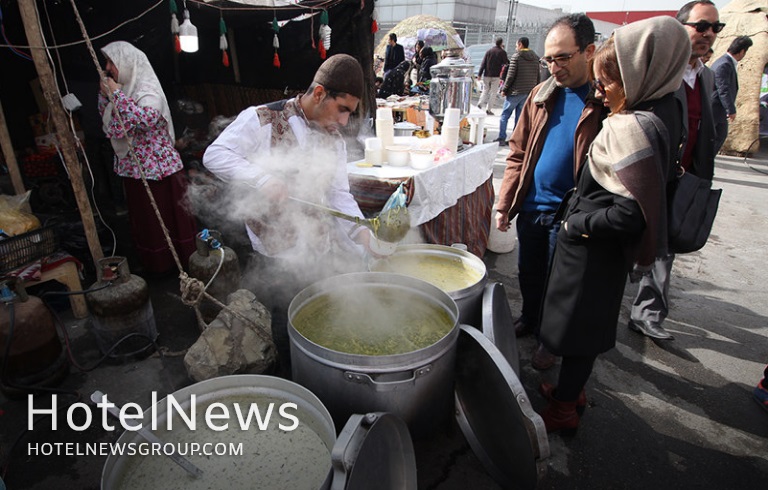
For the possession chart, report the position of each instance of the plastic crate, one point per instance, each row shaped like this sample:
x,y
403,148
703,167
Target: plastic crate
x,y
27,247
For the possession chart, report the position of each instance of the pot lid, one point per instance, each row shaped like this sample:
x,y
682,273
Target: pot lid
x,y
495,414
374,451
498,323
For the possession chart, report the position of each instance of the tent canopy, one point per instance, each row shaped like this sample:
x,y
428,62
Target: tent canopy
x,y
436,33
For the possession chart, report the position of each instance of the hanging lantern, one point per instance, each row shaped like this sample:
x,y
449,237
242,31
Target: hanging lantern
x,y
223,45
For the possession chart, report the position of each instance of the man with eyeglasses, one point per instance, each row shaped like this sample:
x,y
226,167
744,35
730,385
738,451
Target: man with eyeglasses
x,y
549,145
702,22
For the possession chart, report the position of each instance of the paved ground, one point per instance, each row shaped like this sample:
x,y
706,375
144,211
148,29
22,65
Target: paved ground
x,y
661,415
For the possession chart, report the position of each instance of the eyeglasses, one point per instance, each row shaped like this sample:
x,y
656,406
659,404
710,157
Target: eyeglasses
x,y
703,25
561,61
598,86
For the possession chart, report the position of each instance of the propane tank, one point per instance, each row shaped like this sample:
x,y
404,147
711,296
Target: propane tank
x,y
120,309
207,262
28,335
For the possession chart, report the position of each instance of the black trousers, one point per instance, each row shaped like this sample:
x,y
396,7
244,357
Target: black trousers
x,y
574,373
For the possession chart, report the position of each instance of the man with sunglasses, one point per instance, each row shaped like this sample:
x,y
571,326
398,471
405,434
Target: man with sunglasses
x,y
549,145
702,22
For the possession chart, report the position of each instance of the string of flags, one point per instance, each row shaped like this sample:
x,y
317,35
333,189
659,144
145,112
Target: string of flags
x,y
323,37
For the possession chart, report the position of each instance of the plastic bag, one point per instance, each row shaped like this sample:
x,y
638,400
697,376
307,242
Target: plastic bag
x,y
396,200
14,220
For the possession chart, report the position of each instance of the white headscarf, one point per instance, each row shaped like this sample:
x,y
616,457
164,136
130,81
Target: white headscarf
x,y
139,82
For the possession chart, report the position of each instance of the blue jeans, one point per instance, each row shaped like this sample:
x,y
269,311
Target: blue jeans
x,y
511,103
537,236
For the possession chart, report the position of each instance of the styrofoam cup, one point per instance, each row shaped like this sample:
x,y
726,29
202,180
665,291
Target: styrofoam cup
x,y
451,118
373,143
384,113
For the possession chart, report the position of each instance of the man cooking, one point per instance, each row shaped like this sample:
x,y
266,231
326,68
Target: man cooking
x,y
294,148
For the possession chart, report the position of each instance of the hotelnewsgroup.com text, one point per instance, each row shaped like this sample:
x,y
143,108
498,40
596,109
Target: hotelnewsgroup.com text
x,y
134,448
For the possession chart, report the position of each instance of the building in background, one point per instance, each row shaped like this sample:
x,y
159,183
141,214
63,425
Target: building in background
x,y
482,21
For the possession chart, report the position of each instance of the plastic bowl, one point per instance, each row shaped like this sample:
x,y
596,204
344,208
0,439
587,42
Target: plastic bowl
x,y
397,155
422,159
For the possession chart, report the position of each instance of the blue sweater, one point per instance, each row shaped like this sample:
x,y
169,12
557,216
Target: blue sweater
x,y
553,175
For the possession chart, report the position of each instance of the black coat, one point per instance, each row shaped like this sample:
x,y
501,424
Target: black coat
x,y
586,281
393,56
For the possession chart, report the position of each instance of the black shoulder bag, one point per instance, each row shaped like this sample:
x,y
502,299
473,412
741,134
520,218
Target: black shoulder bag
x,y
691,209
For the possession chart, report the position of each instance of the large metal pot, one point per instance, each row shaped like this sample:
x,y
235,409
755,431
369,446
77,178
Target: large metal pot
x,y
417,386
451,86
468,297
156,471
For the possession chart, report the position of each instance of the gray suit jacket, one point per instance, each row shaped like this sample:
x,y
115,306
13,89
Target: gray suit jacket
x,y
704,152
726,87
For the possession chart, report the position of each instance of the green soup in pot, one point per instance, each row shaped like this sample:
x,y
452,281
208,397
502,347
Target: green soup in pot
x,y
374,320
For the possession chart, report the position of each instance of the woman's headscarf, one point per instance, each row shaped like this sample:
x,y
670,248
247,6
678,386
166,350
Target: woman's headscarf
x,y
139,82
652,55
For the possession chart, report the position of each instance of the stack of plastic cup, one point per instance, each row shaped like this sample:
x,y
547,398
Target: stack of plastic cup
x,y
450,129
374,151
385,128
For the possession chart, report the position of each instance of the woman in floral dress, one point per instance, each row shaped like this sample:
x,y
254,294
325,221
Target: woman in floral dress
x,y
145,125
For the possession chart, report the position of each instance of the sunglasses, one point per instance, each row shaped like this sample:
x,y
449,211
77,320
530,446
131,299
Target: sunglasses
x,y
598,86
703,26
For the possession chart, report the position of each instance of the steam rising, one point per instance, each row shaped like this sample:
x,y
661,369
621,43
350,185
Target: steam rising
x,y
318,246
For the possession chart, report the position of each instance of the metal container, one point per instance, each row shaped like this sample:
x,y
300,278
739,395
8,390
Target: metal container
x,y
405,128
451,86
416,386
373,451
469,299
123,320
29,338
213,259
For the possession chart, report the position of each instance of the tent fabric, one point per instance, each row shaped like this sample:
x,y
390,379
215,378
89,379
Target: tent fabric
x,y
436,33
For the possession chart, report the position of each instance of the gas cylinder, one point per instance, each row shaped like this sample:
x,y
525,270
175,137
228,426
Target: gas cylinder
x,y
214,260
121,307
29,339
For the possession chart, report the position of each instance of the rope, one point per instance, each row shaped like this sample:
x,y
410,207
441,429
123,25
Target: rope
x,y
192,290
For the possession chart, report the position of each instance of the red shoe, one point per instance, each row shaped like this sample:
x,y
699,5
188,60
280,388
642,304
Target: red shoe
x,y
546,390
561,416
543,359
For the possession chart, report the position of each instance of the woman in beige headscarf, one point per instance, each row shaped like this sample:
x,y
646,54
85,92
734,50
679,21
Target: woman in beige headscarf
x,y
145,125
616,216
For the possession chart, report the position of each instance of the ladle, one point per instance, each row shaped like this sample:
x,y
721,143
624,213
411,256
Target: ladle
x,y
98,397
390,226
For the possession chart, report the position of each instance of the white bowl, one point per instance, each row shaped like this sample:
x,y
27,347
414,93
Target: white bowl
x,y
422,159
397,155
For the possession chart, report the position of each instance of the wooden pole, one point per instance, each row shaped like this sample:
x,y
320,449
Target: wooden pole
x,y
10,156
66,139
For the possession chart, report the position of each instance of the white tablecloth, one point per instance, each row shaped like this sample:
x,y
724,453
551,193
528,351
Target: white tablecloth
x,y
441,186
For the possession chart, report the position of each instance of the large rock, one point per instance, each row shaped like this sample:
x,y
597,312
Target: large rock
x,y
745,18
230,345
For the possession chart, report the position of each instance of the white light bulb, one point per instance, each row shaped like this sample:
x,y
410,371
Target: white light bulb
x,y
188,35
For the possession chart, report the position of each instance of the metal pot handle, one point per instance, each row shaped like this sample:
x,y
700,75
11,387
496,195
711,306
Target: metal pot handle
x,y
368,379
